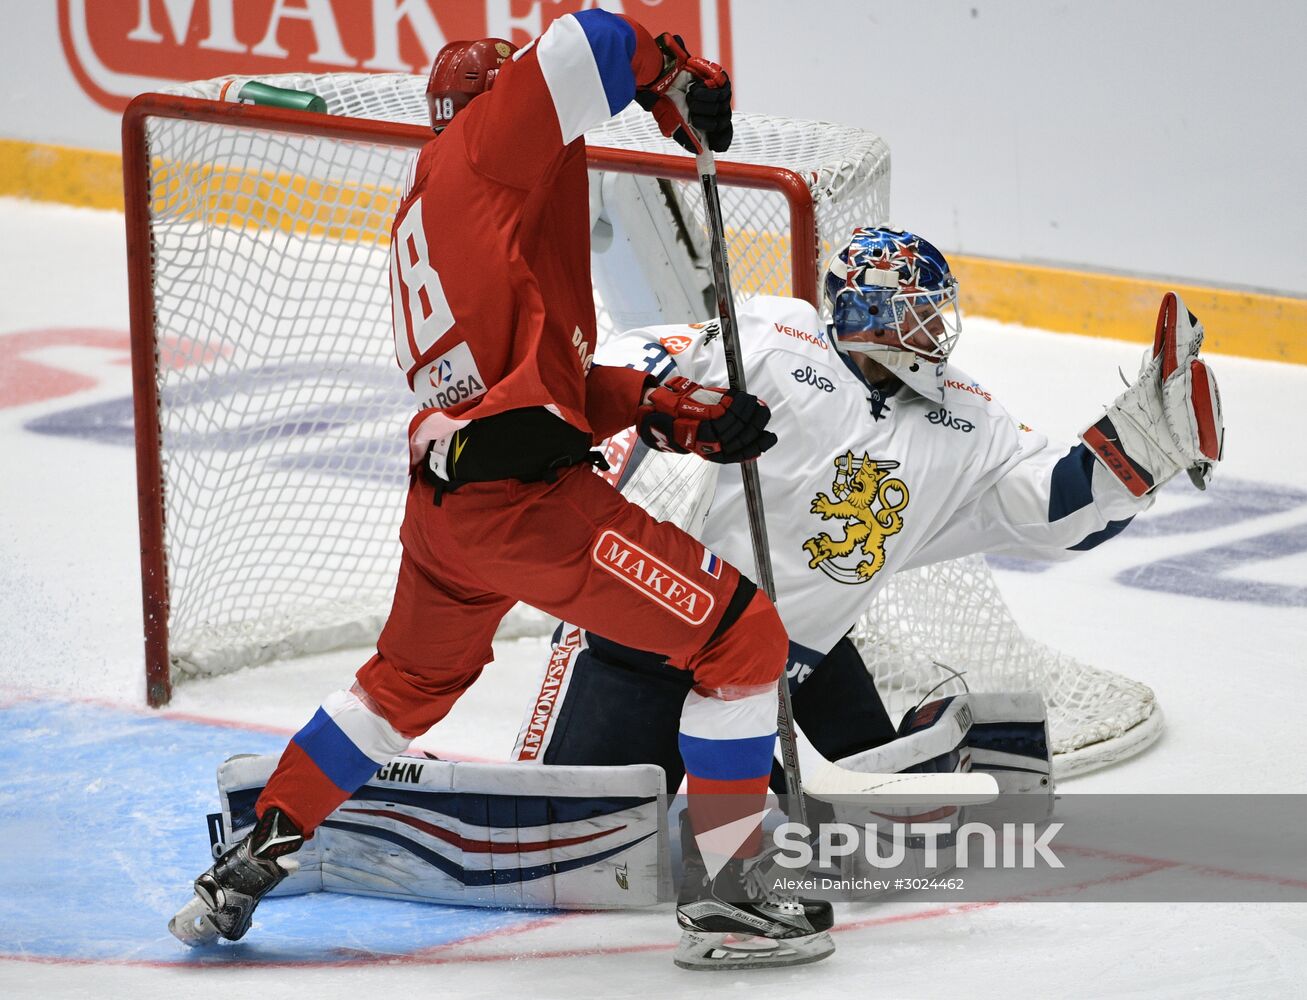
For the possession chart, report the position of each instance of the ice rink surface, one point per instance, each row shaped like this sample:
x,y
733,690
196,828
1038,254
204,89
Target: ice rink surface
x,y
102,801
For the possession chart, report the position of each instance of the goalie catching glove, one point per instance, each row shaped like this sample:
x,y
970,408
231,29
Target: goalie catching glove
x,y
716,424
1170,417
690,95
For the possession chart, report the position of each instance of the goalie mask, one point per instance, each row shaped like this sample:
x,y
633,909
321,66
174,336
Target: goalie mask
x,y
892,297
463,70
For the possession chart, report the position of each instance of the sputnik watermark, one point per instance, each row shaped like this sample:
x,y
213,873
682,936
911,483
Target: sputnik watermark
x,y
887,845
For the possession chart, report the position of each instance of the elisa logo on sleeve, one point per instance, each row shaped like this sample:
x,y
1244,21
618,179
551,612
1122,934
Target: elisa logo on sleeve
x,y
118,50
652,577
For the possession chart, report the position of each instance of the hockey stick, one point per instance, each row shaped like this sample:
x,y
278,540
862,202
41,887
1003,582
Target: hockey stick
x,y
830,779
721,277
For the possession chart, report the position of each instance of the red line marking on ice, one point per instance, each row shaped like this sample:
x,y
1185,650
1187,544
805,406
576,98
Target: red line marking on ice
x,y
1142,859
12,697
437,954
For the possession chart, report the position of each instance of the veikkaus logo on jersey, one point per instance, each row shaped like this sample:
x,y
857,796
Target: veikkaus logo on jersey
x,y
816,339
453,378
974,388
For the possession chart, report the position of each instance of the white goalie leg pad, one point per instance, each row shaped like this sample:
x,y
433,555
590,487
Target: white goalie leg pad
x,y
504,835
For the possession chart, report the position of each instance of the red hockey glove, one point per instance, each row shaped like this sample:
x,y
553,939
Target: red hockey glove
x,y
716,424
689,90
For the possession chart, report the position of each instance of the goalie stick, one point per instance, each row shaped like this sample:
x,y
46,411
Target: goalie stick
x,y
830,779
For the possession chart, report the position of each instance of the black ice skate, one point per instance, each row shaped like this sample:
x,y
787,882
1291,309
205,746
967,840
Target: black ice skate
x,y
739,920
226,895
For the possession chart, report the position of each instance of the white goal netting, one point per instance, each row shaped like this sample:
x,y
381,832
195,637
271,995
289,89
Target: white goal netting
x,y
282,413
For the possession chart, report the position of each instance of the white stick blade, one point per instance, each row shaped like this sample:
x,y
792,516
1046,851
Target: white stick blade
x,y
830,780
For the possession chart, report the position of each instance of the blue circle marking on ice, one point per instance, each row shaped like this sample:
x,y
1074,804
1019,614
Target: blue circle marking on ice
x,y
102,830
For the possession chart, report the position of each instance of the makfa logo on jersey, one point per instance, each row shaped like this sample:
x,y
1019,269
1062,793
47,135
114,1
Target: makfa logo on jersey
x,y
870,503
652,577
118,50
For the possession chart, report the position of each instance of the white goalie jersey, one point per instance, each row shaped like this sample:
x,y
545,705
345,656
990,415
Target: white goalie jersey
x,y
861,484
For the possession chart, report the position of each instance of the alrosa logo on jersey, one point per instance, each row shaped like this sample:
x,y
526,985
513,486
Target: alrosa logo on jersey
x,y
652,577
453,377
816,339
870,503
117,50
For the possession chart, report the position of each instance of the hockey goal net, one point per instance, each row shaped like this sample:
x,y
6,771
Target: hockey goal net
x,y
270,414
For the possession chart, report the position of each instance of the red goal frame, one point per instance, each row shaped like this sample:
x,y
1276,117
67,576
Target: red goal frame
x,y
140,255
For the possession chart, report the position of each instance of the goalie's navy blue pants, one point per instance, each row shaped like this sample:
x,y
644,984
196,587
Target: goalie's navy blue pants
x,y
604,703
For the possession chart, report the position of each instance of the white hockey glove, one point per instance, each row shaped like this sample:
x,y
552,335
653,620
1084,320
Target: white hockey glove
x,y
1170,417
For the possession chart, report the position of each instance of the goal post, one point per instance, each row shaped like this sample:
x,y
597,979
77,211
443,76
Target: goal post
x,y
141,192
149,181
270,413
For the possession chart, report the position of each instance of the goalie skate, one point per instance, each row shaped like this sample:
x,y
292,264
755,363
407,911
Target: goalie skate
x,y
739,921
226,895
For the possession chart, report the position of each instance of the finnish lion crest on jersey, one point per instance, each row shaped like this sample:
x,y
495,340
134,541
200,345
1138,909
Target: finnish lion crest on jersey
x,y
870,503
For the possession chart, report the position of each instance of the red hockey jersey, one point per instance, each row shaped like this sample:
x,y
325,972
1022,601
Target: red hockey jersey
x,y
490,251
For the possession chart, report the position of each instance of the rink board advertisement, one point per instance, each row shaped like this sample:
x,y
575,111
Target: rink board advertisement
x,y
1042,182
116,51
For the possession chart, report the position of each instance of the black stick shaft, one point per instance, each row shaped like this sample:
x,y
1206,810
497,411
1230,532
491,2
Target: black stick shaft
x,y
749,472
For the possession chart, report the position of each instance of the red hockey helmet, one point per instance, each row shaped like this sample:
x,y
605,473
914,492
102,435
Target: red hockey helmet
x,y
461,71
